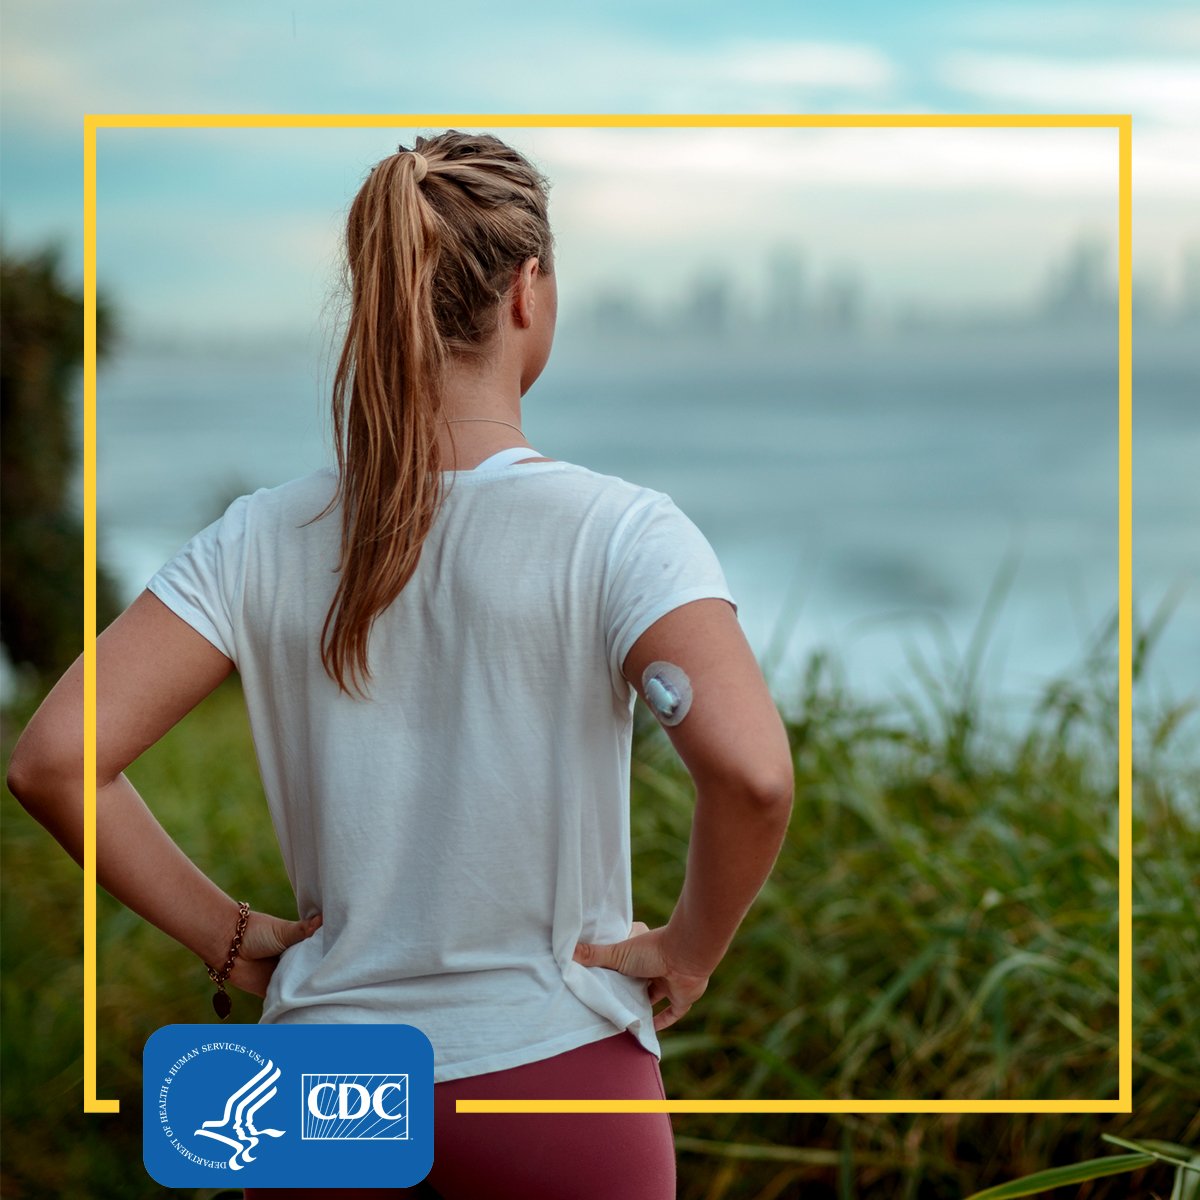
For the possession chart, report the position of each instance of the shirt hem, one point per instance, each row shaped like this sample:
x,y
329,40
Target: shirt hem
x,y
523,1055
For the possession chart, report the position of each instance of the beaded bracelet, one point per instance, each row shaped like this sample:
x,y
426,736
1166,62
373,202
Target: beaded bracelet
x,y
221,1001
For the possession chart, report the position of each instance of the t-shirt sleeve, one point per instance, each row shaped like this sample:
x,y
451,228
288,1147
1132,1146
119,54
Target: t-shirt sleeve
x,y
659,560
203,583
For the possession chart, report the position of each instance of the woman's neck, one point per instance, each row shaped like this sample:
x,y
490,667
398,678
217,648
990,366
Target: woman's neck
x,y
481,411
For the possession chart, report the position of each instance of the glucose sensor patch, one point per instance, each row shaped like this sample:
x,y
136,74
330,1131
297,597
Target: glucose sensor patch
x,y
668,691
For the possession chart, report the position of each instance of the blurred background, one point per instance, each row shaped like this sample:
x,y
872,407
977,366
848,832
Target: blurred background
x,y
873,365
878,368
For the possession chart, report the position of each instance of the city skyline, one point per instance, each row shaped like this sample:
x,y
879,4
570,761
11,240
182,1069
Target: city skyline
x,y
784,294
1077,288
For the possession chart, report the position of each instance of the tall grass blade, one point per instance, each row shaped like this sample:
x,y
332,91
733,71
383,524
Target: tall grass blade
x,y
1148,1147
785,623
973,659
1043,1181
1147,635
1187,1181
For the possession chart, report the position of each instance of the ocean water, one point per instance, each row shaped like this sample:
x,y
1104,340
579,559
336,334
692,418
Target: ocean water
x,y
863,496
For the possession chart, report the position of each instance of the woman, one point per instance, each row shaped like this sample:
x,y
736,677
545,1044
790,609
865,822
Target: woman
x,y
440,643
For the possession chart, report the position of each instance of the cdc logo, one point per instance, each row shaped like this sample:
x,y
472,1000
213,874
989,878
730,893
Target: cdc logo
x,y
354,1107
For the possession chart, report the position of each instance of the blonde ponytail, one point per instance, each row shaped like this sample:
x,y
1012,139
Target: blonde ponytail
x,y
433,242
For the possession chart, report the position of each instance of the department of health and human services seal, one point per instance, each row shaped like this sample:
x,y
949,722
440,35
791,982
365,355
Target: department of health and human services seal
x,y
237,1128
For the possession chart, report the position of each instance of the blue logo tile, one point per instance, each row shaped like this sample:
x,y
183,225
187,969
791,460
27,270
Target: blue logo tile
x,y
287,1106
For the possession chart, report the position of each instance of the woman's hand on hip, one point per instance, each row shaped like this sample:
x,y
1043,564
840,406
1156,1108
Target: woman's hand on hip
x,y
265,939
646,954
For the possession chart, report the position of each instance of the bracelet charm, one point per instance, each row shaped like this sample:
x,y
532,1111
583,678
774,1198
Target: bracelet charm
x,y
222,1004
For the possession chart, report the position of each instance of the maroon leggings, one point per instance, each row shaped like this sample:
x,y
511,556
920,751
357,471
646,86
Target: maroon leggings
x,y
545,1156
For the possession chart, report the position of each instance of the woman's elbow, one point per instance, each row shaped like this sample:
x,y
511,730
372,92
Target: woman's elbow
x,y
38,776
22,771
775,791
759,787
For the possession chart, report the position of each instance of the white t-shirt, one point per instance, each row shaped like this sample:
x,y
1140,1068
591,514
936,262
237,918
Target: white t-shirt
x,y
466,826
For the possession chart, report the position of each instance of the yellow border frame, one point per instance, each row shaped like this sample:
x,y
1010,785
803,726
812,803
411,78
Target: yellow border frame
x,y
1121,122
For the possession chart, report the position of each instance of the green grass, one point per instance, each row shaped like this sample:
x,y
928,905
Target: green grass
x,y
942,922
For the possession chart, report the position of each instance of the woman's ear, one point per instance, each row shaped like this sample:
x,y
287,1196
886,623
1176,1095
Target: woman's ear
x,y
523,294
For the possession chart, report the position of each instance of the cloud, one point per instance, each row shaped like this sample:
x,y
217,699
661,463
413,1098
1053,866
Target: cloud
x,y
1165,90
1007,161
798,63
1075,27
64,59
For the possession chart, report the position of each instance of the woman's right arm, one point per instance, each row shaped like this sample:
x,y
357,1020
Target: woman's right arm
x,y
152,668
734,744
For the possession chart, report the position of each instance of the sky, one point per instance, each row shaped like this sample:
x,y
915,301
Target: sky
x,y
208,230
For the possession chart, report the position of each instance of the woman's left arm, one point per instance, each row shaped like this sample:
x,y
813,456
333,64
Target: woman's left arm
x,y
152,668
